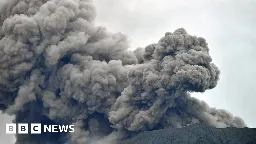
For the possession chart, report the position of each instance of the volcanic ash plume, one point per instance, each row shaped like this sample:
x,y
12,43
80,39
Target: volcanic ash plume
x,y
58,67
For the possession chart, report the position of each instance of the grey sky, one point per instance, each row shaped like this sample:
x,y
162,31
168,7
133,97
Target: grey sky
x,y
227,25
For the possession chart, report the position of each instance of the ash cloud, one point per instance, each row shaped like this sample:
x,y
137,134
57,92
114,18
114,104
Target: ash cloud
x,y
58,67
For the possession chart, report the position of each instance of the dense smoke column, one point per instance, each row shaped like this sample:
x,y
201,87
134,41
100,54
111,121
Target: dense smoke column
x,y
157,94
58,67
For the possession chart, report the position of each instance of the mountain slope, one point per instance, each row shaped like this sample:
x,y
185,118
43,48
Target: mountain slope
x,y
196,134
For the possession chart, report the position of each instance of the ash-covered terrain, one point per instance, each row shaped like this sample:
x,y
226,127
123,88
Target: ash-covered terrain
x,y
196,134
58,67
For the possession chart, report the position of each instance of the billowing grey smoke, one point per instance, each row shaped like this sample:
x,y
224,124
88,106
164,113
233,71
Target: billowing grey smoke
x,y
58,67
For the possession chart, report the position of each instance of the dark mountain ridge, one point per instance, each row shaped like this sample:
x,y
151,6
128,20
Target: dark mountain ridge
x,y
196,134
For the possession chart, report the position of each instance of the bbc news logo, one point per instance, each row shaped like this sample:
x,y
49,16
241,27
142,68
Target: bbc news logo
x,y
37,128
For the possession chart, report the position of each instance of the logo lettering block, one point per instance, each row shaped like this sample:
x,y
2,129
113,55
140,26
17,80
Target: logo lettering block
x,y
10,128
35,128
22,128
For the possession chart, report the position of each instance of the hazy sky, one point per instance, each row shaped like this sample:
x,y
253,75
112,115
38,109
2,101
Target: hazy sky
x,y
227,25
